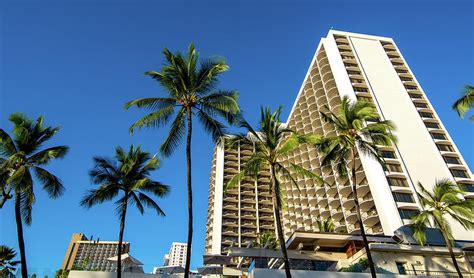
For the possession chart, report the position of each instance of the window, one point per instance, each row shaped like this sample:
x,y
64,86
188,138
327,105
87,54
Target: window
x,y
401,267
417,96
426,115
403,197
366,99
467,187
397,182
459,173
358,89
438,136
421,105
407,213
432,125
451,160
445,148
394,168
411,87
388,154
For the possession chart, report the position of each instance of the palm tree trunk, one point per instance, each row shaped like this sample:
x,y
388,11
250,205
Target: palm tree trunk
x,y
190,195
276,208
21,242
359,217
122,227
451,253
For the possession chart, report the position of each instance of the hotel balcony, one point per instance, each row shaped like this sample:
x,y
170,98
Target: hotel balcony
x,y
366,202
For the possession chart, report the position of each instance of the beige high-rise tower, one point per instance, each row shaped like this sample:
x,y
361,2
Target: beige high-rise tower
x,y
361,67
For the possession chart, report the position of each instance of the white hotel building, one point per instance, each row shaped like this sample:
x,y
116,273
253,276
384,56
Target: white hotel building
x,y
363,67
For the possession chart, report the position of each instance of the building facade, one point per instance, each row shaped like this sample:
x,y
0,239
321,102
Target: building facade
x,y
176,255
361,67
236,216
85,254
370,68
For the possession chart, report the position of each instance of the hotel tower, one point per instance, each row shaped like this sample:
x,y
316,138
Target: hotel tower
x,y
361,67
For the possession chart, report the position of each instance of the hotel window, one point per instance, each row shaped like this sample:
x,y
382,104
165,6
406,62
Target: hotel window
x,y
407,213
397,182
403,197
359,89
459,173
421,105
432,125
426,115
451,160
394,168
401,267
417,96
467,187
438,136
388,154
445,148
411,87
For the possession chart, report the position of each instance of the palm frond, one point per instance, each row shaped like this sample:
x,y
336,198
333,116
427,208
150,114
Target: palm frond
x,y
211,125
175,135
156,118
466,102
43,157
104,193
149,202
51,184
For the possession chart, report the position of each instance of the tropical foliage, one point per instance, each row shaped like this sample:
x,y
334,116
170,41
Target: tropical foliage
x,y
7,262
445,200
272,142
266,240
127,178
358,131
190,92
21,156
465,103
326,226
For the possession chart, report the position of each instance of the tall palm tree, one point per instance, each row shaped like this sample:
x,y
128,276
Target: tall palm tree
x,y
446,199
22,155
354,135
128,176
190,92
7,264
272,142
466,102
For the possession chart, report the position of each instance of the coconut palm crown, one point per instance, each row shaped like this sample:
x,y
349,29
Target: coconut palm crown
x,y
446,199
272,142
190,92
21,156
128,178
358,130
465,103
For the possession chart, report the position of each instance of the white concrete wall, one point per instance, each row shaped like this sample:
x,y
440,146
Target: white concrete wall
x,y
419,153
218,198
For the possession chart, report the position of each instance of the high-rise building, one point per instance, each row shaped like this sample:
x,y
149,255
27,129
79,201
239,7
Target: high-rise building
x,y
370,68
86,254
236,216
361,67
176,255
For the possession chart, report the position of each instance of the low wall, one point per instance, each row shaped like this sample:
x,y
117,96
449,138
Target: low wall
x,y
280,273
102,274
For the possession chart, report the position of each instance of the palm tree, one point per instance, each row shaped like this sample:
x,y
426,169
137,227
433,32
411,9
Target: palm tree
x,y
128,176
326,226
266,239
355,134
21,155
7,264
446,199
466,102
272,142
191,91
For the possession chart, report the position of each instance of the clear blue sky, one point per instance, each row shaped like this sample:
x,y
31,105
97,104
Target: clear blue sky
x,y
78,62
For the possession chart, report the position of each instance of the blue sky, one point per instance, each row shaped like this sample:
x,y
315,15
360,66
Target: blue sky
x,y
78,62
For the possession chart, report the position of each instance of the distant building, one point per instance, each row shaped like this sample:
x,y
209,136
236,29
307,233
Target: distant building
x,y
85,254
176,255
